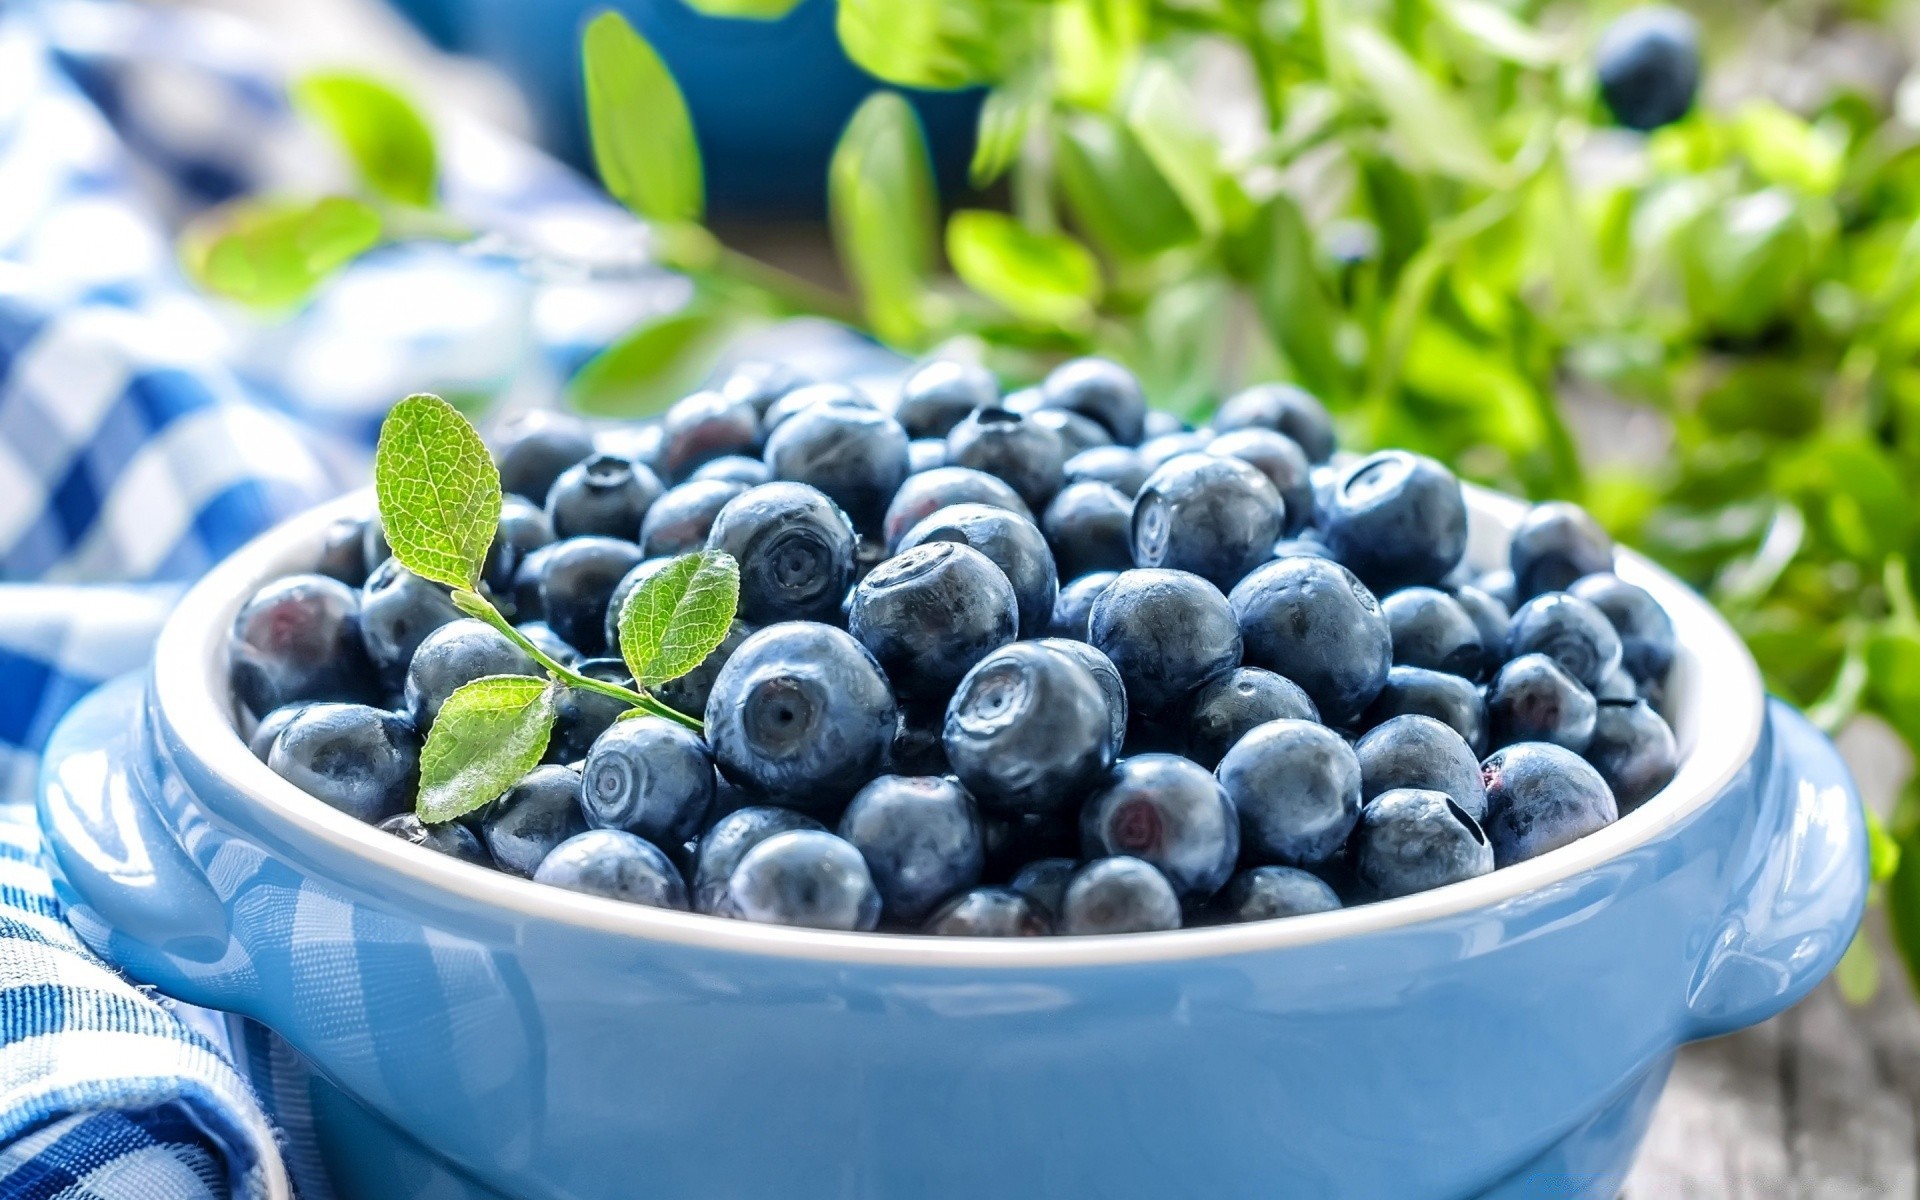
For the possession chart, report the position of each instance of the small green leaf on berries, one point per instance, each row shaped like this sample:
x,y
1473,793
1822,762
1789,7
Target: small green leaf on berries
x,y
678,616
439,491
487,735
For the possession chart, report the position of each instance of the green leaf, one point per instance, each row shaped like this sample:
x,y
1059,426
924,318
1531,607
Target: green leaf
x,y
1183,340
487,735
1857,974
1399,209
1115,190
1161,113
881,199
678,616
1883,853
643,143
1501,33
389,141
1094,46
1783,149
439,491
1276,255
752,10
926,43
653,365
1005,117
1049,278
272,254
1434,127
1893,683
1746,260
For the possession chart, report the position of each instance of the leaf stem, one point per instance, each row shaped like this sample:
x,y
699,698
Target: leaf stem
x,y
802,296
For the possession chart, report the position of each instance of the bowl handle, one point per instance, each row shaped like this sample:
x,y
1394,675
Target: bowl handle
x,y
1798,898
132,892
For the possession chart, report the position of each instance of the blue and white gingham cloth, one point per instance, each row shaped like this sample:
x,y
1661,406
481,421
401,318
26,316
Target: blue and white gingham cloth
x,y
145,432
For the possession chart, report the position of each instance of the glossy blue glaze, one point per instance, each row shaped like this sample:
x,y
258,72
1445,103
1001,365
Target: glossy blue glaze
x,y
476,1049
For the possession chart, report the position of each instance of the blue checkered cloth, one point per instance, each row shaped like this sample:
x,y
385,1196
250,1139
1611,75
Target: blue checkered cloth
x,y
145,432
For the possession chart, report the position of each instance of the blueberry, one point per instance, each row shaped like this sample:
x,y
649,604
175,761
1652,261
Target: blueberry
x,y
1420,752
928,492
801,714
1498,583
398,609
1449,699
1025,454
638,443
576,584
1120,467
299,638
1541,797
1433,630
451,838
733,468
456,654
1076,433
1118,895
649,776
1296,786
689,693
811,396
924,454
1411,840
363,761
1160,423
921,840
1044,881
1267,893
617,865
1163,449
931,612
1029,730
679,522
604,496
807,878
939,394
1569,630
1170,812
580,716
524,599
1074,604
1012,542
1489,616
1648,63
343,554
1089,528
722,847
759,384
1618,686
267,732
795,550
1396,519
1555,544
1104,673
1646,632
533,449
1168,632
1534,699
1282,408
856,456
1311,620
1228,707
1634,751
988,912
524,825
1282,461
1216,517
373,544
523,529
1101,390
705,426
1302,547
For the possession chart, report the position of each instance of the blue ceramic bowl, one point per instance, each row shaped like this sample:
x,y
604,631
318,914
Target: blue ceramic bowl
x,y
484,1036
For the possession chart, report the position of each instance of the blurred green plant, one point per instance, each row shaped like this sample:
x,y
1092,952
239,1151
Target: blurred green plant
x,y
1427,223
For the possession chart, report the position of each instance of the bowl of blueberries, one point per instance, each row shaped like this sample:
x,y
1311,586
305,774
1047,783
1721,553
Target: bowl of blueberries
x,y
1064,801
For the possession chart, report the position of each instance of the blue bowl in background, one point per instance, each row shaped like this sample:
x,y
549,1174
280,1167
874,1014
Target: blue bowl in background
x,y
769,98
475,1036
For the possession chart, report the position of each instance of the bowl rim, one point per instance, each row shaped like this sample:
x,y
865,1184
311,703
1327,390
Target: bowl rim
x,y
1718,727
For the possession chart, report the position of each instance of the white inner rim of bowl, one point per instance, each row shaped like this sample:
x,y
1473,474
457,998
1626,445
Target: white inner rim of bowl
x,y
1714,699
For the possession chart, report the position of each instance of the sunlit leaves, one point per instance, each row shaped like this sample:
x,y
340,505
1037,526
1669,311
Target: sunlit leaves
x,y
880,196
642,134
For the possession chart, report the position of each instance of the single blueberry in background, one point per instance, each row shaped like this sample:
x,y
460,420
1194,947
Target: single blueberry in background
x,y
733,468
267,732
581,716
1167,632
938,395
343,554
1160,423
1648,63
649,776
533,816
1268,893
1228,707
363,761
930,613
577,581
1498,583
617,865
1420,752
801,714
1412,840
398,609
1296,787
811,396
989,912
604,496
1489,616
299,638
1016,449
857,457
1118,895
523,529
1216,517
1313,621
807,878
1029,730
1101,390
700,428
1011,542
1449,699
924,454
921,840
1077,433
534,448
1617,686
680,520
1396,519
454,655
1568,630
1089,527
450,838
1433,630
1541,797
723,846
1645,629
1302,547
524,598
637,442
1104,673
1534,699
795,550
1634,751
928,492
760,383
1554,544
1044,881
1282,461
1167,811
1073,605
1156,452
1282,408
1119,467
